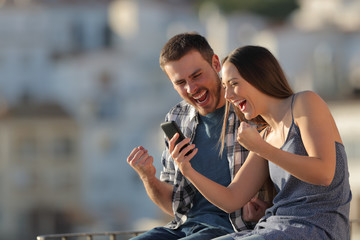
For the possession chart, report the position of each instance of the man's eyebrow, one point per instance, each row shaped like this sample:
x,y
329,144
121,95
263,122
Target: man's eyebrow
x,y
179,80
195,72
190,76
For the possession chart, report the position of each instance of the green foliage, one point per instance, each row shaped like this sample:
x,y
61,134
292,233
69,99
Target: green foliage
x,y
276,10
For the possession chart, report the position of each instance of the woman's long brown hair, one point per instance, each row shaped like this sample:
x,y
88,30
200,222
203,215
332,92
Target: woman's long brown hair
x,y
261,69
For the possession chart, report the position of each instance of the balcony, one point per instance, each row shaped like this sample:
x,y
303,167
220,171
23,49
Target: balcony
x,y
91,236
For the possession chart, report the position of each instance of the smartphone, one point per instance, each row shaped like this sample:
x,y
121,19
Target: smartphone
x,y
170,128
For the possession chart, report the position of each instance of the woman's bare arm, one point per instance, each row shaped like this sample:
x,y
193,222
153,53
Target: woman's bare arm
x,y
245,185
318,134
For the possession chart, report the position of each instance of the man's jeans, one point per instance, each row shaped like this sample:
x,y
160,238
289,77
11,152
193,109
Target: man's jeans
x,y
188,231
234,237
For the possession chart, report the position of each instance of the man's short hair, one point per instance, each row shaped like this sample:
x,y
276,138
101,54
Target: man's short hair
x,y
181,44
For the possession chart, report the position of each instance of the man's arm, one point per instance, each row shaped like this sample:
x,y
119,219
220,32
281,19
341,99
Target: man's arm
x,y
159,192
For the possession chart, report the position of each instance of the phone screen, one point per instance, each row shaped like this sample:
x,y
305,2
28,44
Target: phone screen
x,y
170,128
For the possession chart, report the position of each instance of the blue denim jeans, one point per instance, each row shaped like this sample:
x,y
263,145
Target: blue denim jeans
x,y
236,236
193,231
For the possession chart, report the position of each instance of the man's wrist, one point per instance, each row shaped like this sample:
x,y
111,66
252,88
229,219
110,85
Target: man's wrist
x,y
147,179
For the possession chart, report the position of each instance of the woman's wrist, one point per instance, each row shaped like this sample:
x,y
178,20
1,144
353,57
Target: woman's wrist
x,y
187,170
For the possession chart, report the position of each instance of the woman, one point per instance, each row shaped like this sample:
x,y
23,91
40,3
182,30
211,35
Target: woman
x,y
299,147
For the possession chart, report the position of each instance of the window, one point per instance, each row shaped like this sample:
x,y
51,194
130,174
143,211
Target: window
x,y
26,148
63,147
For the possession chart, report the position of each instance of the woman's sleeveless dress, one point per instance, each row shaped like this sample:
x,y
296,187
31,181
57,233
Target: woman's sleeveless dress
x,y
302,210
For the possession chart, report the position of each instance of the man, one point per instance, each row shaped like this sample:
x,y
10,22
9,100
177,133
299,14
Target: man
x,y
193,68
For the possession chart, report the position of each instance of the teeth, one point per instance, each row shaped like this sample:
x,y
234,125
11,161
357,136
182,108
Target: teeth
x,y
200,96
238,102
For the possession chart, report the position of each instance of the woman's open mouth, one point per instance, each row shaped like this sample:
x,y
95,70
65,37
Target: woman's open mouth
x,y
241,104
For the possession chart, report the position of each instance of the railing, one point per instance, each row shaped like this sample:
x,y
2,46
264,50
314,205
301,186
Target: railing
x,y
114,235
90,236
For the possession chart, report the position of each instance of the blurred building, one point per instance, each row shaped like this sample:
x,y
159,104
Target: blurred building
x,y
64,52
40,170
35,34
318,46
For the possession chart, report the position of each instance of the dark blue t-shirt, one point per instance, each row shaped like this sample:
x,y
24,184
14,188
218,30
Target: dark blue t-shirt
x,y
208,162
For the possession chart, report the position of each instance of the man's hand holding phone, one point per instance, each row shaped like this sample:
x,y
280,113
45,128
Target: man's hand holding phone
x,y
179,147
170,129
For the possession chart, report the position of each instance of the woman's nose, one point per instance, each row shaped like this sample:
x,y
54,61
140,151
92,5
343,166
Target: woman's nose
x,y
228,94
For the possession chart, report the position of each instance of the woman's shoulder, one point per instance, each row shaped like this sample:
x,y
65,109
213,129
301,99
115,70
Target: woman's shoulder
x,y
307,95
308,102
307,98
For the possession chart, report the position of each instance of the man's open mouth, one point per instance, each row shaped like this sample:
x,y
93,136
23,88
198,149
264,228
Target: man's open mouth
x,y
201,96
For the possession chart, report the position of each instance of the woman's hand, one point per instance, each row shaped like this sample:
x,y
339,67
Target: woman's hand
x,y
180,157
249,137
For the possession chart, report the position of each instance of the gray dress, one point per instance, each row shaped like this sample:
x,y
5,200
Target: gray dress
x,y
302,210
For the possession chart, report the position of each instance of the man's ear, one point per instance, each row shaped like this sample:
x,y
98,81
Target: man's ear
x,y
216,63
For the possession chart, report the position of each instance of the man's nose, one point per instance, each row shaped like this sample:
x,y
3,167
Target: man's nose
x,y
191,88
